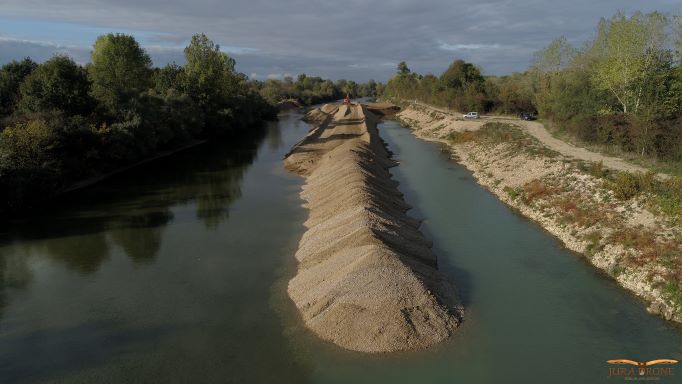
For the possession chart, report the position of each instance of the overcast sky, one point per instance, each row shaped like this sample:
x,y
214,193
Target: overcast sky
x,y
354,39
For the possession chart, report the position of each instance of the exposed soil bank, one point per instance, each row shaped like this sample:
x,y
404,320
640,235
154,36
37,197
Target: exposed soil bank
x,y
367,279
626,239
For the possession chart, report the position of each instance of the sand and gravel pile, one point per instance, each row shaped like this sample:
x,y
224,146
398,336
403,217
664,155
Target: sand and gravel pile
x,y
367,279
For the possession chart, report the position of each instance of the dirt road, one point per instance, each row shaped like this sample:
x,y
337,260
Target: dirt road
x,y
454,122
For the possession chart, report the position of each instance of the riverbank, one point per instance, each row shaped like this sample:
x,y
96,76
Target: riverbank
x,y
627,238
367,279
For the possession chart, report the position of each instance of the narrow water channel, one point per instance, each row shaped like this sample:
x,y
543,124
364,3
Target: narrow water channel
x,y
177,272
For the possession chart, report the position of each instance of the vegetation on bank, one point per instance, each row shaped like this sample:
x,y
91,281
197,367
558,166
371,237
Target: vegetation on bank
x,y
61,122
664,195
310,90
621,91
598,204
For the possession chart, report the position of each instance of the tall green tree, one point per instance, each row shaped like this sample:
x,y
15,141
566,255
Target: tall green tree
x,y
462,75
555,57
120,70
12,75
209,73
58,84
169,79
403,69
546,71
626,51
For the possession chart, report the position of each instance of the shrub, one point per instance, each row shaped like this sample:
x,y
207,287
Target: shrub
x,y
645,242
536,189
593,242
461,137
625,185
513,193
668,198
573,213
26,145
595,169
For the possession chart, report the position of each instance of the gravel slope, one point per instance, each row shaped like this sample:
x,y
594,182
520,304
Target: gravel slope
x,y
367,279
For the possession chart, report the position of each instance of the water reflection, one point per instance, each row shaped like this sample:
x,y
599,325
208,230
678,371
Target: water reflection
x,y
140,235
161,275
14,275
80,231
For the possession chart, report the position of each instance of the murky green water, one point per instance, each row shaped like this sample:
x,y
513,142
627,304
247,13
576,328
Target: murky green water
x,y
176,273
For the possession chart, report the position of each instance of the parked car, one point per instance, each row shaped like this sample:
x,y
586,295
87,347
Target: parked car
x,y
471,115
527,116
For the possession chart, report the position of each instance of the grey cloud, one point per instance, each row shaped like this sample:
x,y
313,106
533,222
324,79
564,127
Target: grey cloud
x,y
16,49
349,38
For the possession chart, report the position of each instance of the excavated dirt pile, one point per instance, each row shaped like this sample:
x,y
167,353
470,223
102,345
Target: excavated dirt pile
x,y
367,279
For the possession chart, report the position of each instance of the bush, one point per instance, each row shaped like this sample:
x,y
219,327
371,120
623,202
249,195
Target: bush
x,y
461,137
627,185
27,145
668,198
536,189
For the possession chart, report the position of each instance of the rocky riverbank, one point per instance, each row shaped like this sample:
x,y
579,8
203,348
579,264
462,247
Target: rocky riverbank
x,y
367,279
627,238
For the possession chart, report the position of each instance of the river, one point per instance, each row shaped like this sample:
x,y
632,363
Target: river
x,y
177,271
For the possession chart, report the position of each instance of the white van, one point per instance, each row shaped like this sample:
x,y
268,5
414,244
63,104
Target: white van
x,y
471,115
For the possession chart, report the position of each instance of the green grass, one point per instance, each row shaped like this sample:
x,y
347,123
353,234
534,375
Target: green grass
x,y
513,193
673,293
665,195
593,242
494,133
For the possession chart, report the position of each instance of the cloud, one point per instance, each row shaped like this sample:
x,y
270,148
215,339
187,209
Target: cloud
x,y
278,76
466,47
15,49
355,39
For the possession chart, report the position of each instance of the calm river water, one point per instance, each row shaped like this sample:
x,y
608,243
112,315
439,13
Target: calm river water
x,y
176,273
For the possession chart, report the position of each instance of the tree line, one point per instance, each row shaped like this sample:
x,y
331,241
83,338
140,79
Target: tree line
x,y
61,122
309,90
622,90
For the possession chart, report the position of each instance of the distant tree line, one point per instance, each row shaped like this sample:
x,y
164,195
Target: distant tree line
x,y
313,89
61,122
622,90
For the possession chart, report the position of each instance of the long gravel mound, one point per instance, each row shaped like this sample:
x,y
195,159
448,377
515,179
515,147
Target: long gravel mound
x,y
367,279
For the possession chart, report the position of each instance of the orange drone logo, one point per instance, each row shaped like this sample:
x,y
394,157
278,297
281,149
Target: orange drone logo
x,y
642,367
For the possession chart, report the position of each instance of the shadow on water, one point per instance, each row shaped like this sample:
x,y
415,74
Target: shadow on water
x,y
161,274
130,210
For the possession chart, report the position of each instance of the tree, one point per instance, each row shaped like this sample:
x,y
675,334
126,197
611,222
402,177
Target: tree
x,y
626,51
120,70
11,76
677,38
368,89
58,84
403,69
462,75
555,57
209,73
169,78
546,68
